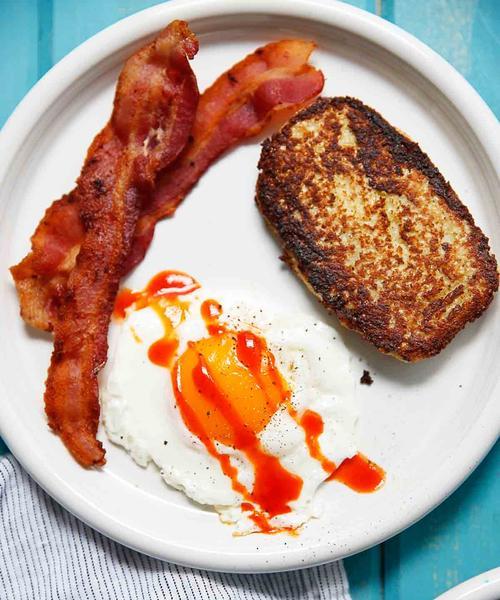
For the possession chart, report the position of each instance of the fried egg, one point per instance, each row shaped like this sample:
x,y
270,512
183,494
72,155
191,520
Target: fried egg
x,y
243,406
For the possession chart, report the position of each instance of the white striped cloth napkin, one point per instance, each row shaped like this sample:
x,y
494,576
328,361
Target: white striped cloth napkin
x,y
48,554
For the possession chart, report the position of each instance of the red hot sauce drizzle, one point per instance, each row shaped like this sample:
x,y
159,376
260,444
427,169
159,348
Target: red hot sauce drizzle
x,y
124,299
166,284
312,424
360,474
211,310
162,351
274,486
162,290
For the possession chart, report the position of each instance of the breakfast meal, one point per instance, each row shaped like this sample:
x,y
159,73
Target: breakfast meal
x,y
242,404
373,229
91,237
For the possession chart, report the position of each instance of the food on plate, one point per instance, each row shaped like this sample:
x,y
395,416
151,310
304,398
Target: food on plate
x,y
153,111
373,229
91,237
239,104
366,378
243,406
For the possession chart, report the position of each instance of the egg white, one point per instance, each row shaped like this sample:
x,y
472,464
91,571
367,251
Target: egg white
x,y
140,414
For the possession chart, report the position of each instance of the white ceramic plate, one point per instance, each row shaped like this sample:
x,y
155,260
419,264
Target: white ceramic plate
x,y
428,424
482,587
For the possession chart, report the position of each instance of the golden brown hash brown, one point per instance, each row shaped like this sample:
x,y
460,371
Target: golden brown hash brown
x,y
373,229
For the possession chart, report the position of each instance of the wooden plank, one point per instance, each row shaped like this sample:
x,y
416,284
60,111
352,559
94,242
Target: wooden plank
x,y
485,51
45,58
75,22
445,25
365,574
19,39
369,5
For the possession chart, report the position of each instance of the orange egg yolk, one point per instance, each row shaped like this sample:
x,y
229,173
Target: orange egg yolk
x,y
227,389
247,395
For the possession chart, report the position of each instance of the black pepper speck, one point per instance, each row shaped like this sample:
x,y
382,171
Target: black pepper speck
x,y
366,378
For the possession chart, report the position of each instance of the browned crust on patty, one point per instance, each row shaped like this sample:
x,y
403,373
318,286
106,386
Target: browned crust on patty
x,y
373,229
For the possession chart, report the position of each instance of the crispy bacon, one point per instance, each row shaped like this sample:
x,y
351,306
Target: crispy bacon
x,y
238,105
42,275
154,109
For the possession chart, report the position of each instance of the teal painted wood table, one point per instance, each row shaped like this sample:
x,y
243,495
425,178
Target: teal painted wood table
x,y
461,538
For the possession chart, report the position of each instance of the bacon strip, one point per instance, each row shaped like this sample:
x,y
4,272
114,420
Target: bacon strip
x,y
238,105
154,109
42,275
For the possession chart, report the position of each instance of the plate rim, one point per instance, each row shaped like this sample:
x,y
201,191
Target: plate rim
x,y
88,55
475,588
